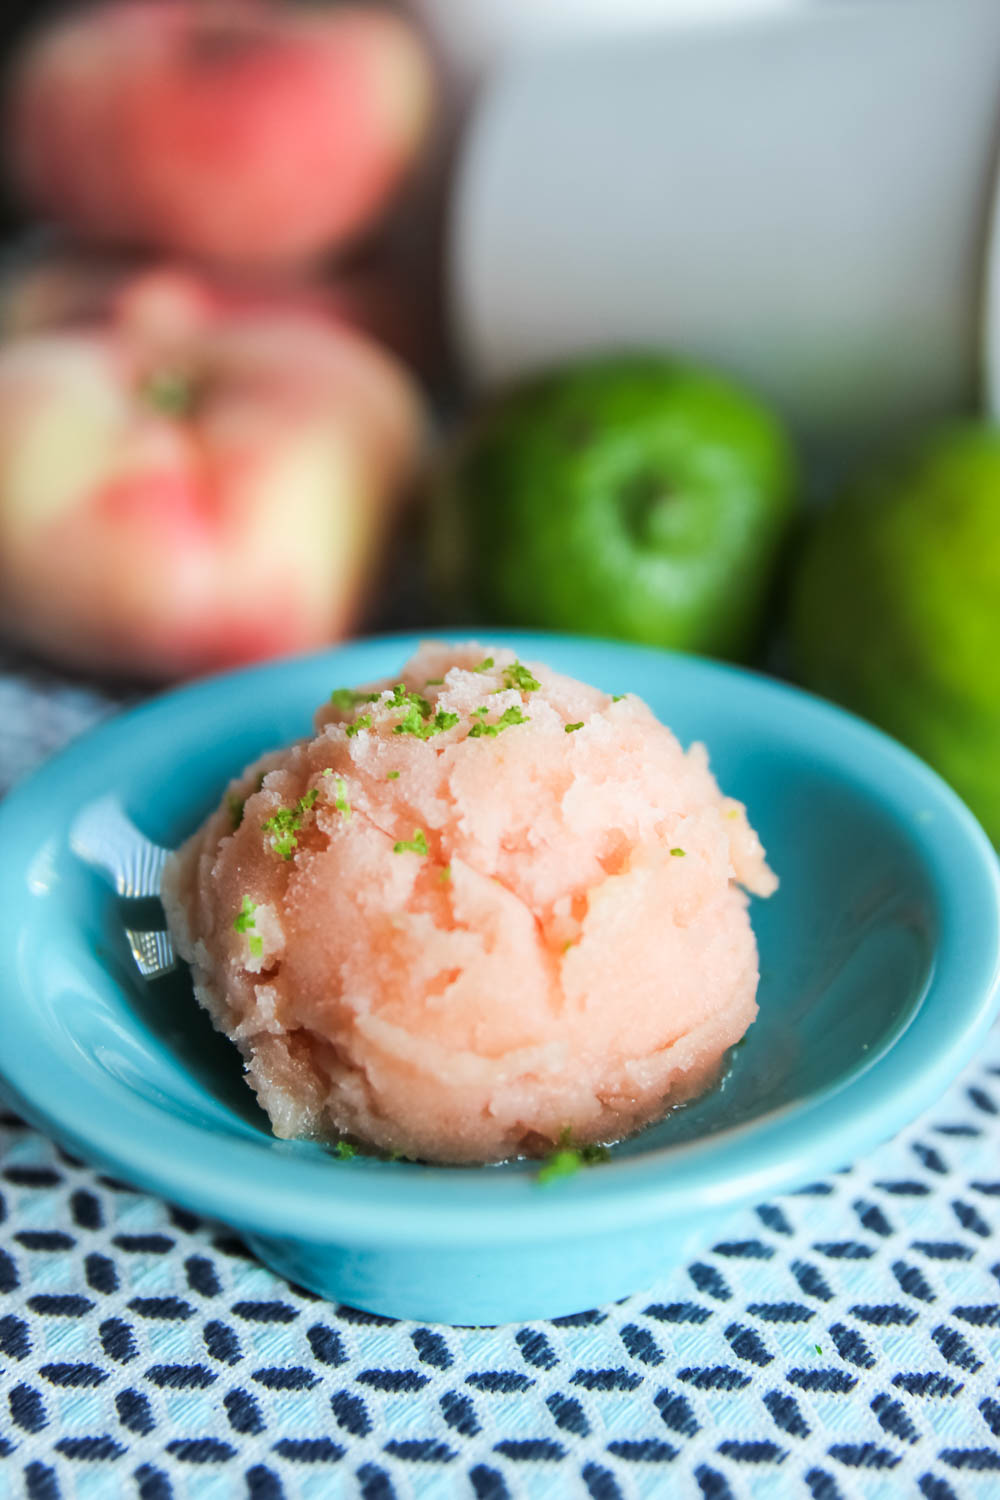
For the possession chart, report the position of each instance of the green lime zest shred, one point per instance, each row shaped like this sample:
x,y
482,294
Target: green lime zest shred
x,y
572,728
445,874
416,845
411,723
244,918
617,697
285,824
567,1159
363,721
518,676
592,1156
564,1163
421,725
403,698
507,720
484,665
392,775
346,698
678,853
244,922
345,1150
340,801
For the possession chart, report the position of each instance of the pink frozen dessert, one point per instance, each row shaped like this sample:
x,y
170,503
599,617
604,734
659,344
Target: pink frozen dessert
x,y
484,909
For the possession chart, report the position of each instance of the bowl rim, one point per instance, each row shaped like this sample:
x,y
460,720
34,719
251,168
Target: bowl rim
x,y
305,1196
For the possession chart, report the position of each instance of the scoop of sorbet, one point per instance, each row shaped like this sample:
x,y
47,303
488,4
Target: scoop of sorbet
x,y
482,910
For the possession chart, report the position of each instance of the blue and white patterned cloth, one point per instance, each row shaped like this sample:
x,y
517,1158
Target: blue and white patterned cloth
x,y
842,1341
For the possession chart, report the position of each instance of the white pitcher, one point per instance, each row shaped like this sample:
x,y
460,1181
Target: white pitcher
x,y
799,198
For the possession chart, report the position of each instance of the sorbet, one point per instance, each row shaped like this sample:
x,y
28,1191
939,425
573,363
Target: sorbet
x,y
484,909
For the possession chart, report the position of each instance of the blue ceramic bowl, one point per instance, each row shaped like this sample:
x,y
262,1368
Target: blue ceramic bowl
x,y
879,972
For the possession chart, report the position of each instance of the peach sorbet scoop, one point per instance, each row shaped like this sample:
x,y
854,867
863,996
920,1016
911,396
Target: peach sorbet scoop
x,y
483,909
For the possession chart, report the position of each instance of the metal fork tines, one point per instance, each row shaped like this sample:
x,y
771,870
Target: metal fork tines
x,y
153,953
105,837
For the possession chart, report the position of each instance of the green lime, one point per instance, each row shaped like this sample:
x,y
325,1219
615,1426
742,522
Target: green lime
x,y
633,497
896,606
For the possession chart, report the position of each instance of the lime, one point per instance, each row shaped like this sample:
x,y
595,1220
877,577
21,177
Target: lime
x,y
633,497
896,606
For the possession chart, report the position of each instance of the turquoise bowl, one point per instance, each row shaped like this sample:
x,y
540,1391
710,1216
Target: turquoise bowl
x,y
879,972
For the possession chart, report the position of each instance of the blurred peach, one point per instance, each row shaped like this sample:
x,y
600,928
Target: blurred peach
x,y
244,132
186,486
50,284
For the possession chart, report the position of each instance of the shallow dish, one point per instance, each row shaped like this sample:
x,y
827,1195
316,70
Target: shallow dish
x,y
879,971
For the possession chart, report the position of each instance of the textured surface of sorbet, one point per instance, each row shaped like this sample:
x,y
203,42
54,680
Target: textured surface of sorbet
x,y
461,942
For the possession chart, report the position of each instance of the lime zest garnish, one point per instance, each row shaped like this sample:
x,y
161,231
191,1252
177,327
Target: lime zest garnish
x,y
509,717
591,1156
403,698
345,698
617,697
434,682
445,874
244,918
284,825
392,775
340,801
572,728
416,845
518,676
678,853
244,922
364,721
417,713
411,723
567,1160
484,665
283,841
423,727
345,1150
565,1163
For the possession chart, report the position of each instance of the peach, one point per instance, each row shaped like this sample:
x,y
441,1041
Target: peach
x,y
63,284
185,486
242,132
